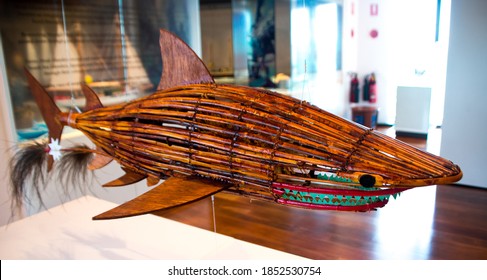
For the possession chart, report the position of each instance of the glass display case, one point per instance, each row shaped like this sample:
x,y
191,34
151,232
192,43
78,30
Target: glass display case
x,y
111,45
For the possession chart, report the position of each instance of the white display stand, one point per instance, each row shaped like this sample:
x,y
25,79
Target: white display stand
x,y
68,232
413,111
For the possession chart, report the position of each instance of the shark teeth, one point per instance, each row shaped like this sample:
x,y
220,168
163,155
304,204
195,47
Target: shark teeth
x,y
330,199
333,178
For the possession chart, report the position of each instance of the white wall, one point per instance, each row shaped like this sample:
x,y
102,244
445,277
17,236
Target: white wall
x,y
464,126
374,54
364,55
349,42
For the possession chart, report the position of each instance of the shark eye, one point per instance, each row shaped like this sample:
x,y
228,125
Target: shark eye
x,y
367,181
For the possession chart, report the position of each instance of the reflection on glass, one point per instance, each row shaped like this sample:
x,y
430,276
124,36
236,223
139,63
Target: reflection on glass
x,y
300,41
315,34
326,38
316,53
111,45
241,40
254,41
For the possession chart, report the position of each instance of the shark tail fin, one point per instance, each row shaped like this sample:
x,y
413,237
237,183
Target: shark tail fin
x,y
49,110
28,164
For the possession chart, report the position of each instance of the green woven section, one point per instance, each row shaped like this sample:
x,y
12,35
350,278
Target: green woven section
x,y
330,199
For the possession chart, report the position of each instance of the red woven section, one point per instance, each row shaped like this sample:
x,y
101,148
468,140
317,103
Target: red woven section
x,y
366,207
337,191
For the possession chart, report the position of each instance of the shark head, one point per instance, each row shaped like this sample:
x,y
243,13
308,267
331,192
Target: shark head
x,y
375,168
379,161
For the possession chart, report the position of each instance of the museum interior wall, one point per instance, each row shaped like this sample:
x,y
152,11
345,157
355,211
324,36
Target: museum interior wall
x,y
464,129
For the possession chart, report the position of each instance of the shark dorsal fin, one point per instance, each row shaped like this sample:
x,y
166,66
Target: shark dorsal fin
x,y
92,100
180,64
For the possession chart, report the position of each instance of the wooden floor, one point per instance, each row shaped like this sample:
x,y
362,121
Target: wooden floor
x,y
436,222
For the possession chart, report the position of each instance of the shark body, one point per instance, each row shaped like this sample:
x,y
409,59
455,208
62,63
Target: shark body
x,y
201,138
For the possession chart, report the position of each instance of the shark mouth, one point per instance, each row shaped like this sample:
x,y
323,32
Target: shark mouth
x,y
333,198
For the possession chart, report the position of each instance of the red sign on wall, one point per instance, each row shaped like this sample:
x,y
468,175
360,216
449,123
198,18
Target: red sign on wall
x,y
374,9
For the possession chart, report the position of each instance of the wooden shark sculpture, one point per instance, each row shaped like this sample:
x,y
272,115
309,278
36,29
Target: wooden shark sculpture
x,y
203,138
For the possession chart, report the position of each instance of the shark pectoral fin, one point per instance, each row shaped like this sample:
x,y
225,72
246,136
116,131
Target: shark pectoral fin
x,y
92,100
180,64
171,193
152,180
128,178
100,159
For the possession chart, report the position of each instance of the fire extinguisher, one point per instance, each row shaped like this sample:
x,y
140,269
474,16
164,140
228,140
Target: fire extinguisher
x,y
366,88
354,88
372,89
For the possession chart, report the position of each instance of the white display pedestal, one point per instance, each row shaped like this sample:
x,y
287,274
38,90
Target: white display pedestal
x,y
413,111
68,232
